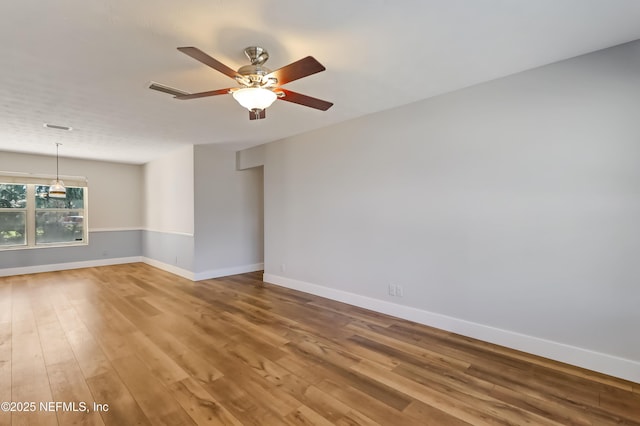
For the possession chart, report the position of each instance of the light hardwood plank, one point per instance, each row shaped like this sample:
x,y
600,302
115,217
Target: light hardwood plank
x,y
68,385
29,379
5,365
200,405
153,398
107,388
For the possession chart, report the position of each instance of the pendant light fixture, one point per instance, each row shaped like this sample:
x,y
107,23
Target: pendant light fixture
x,y
57,189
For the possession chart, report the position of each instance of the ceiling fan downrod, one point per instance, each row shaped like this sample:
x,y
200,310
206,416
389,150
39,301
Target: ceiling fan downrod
x,y
257,55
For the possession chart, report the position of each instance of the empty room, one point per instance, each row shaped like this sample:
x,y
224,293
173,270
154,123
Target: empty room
x,y
216,212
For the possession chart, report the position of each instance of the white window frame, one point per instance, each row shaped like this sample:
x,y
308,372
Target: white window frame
x,y
31,181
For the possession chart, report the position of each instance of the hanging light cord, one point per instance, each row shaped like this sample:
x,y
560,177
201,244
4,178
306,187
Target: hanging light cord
x,y
57,168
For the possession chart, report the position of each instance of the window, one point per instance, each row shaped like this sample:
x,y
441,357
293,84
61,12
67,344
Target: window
x,y
59,220
30,218
13,215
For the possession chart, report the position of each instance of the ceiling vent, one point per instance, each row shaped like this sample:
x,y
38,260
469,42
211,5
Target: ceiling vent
x,y
55,126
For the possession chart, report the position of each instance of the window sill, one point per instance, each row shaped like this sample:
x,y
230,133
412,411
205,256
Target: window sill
x,y
43,246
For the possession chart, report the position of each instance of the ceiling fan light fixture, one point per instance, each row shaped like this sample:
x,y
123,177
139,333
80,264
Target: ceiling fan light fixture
x,y
253,98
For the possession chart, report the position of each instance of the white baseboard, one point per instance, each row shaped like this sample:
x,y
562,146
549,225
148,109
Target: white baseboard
x,y
184,234
585,358
184,273
215,273
205,275
67,265
224,272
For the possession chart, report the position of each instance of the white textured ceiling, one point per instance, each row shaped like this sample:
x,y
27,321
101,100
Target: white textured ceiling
x,y
87,64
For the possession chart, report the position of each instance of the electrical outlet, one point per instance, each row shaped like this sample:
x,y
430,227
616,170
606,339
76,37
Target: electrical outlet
x,y
283,267
392,290
399,291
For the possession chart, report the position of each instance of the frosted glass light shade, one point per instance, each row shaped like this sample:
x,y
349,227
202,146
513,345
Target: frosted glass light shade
x,y
57,189
254,97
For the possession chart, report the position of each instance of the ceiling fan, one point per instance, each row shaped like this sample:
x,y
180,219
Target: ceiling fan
x,y
258,86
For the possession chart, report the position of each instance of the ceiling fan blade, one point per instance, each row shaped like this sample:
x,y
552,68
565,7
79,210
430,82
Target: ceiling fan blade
x,y
300,99
199,55
302,68
262,114
203,94
166,89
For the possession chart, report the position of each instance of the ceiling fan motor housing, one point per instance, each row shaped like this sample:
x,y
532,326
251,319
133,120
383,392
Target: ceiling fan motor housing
x,y
254,75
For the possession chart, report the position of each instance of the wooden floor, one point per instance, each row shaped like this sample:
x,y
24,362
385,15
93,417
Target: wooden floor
x,y
153,348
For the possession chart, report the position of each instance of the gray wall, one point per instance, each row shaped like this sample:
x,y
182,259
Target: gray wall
x,y
228,213
148,212
114,208
170,249
512,204
208,219
167,239
102,246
